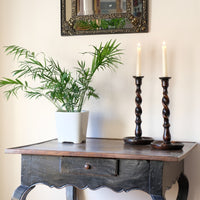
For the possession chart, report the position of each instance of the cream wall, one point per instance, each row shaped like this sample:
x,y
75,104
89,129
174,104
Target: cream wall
x,y
35,24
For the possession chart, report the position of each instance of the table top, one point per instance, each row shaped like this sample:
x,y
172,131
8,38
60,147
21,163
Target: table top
x,y
103,148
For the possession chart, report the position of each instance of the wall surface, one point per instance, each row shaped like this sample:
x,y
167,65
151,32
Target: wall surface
x,y
35,24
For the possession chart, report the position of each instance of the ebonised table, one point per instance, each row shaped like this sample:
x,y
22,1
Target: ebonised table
x,y
102,163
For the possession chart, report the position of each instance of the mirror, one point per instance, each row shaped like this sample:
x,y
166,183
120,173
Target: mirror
x,y
84,17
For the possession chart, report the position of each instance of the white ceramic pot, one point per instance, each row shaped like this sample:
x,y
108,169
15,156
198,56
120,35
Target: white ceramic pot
x,y
72,126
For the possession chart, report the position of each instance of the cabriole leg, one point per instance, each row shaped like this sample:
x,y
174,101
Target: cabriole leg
x,y
183,187
21,192
71,193
157,197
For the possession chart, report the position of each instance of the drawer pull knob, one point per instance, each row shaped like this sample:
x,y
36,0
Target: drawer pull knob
x,y
87,166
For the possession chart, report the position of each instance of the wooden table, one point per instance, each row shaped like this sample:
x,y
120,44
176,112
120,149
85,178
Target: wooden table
x,y
102,163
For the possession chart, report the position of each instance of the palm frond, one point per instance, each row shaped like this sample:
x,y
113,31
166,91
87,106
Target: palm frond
x,y
18,51
55,83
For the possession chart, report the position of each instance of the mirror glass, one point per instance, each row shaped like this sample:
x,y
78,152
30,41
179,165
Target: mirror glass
x,y
83,17
137,8
90,7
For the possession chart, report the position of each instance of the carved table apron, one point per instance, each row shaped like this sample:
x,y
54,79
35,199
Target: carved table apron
x,y
101,163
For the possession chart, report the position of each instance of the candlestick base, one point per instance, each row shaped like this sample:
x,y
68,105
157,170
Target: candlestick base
x,y
138,141
166,144
163,146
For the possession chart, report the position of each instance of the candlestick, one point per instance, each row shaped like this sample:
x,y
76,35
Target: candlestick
x,y
166,144
138,139
138,65
164,59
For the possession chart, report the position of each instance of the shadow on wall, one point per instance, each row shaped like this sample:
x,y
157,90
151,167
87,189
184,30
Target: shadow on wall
x,y
192,166
101,126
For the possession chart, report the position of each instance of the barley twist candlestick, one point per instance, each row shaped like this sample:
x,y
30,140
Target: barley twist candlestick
x,y
138,139
166,111
138,109
166,144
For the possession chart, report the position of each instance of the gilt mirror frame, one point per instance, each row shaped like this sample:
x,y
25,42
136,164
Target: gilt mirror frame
x,y
137,24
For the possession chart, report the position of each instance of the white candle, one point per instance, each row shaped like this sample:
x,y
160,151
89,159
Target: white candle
x,y
138,66
164,59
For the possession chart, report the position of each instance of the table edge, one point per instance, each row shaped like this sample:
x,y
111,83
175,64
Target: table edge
x,y
99,154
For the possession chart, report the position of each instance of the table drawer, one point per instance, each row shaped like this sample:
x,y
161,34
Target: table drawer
x,y
89,166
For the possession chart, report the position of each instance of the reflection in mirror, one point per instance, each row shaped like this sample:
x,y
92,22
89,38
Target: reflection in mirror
x,y
103,16
112,6
137,8
68,10
90,7
85,7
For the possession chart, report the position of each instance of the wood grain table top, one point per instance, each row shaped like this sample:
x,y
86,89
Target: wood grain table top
x,y
103,148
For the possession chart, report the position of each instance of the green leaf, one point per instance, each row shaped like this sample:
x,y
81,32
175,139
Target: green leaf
x,y
32,94
57,84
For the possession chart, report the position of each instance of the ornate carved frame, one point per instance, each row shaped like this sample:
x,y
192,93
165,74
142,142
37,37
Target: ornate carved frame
x,y
139,24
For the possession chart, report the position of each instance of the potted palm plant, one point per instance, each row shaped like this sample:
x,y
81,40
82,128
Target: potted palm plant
x,y
40,76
